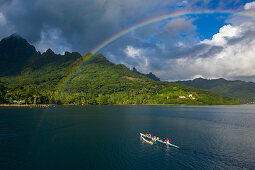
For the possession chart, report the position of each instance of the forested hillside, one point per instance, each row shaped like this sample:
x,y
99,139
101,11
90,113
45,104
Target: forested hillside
x,y
242,91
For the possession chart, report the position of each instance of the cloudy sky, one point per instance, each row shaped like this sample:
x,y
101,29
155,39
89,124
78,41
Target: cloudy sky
x,y
205,45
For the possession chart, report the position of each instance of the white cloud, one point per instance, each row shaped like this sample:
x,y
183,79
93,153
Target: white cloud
x,y
5,28
235,58
182,3
2,19
249,6
233,61
53,39
142,62
132,52
221,38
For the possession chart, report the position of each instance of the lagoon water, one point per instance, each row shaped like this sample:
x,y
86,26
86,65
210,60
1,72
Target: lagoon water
x,y
107,137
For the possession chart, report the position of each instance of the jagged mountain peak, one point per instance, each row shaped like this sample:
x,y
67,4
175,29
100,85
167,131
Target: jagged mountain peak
x,y
49,51
14,38
15,52
15,35
150,75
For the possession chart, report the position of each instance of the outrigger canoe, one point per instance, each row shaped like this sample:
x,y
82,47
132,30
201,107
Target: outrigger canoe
x,y
158,141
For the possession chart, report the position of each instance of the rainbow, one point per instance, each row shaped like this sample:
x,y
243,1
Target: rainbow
x,y
117,36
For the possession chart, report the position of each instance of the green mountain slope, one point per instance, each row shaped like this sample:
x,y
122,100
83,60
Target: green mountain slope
x,y
103,82
244,92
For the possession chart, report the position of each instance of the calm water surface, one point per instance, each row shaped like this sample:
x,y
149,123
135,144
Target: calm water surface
x,y
107,137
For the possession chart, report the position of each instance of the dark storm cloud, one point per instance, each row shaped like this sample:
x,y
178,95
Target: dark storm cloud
x,y
82,23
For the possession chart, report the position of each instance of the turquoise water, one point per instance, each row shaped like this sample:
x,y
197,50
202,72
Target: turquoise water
x,y
107,137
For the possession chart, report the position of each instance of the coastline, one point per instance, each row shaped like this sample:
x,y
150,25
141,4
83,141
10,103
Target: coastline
x,y
50,105
25,105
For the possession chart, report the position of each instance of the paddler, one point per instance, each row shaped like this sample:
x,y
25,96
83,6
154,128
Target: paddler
x,y
167,141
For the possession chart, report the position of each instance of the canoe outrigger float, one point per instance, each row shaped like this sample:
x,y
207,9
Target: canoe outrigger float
x,y
150,142
151,139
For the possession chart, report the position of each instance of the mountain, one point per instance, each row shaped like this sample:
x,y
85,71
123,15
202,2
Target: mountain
x,y
243,91
96,81
99,81
150,75
15,53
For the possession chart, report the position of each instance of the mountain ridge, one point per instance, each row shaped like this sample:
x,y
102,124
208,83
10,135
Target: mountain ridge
x,y
243,91
150,75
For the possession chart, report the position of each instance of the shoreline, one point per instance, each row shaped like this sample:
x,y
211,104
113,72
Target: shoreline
x,y
53,105
25,105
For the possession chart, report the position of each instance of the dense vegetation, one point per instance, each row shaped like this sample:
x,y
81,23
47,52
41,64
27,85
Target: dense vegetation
x,y
97,81
243,92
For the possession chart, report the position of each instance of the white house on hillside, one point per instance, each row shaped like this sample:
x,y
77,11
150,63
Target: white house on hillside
x,y
182,97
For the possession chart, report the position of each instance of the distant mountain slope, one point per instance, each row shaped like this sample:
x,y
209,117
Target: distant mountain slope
x,y
150,75
243,91
15,53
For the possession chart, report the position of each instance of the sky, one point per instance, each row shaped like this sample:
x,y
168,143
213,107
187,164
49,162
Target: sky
x,y
181,48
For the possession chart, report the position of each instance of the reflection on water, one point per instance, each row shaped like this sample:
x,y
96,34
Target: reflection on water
x,y
107,137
